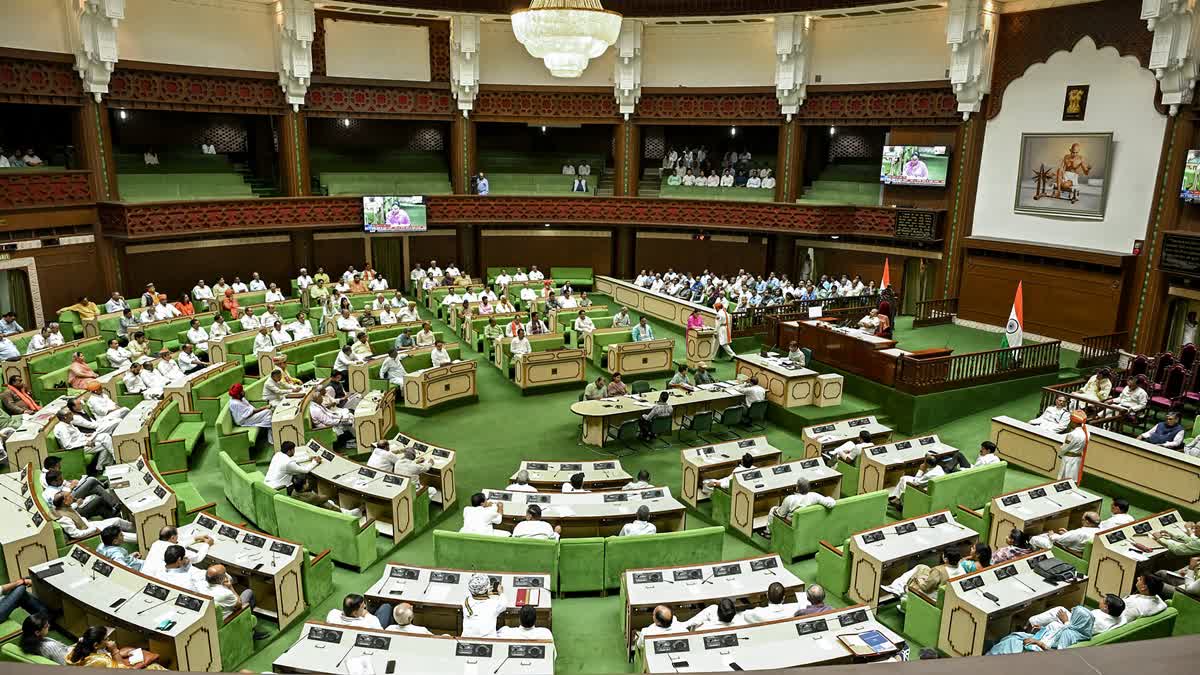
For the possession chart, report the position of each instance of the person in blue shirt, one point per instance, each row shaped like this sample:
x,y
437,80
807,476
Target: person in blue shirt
x,y
643,332
481,187
110,547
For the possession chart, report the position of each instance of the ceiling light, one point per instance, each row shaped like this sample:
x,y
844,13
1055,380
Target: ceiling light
x,y
566,34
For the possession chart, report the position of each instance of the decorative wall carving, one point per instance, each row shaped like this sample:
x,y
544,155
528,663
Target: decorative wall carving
x,y
892,108
439,51
1026,38
187,218
378,101
545,104
746,107
132,88
28,81
20,189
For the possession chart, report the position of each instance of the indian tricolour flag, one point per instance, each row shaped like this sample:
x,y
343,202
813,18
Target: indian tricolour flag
x,y
1014,331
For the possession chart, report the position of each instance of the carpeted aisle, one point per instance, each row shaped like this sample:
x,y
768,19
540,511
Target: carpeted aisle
x,y
495,434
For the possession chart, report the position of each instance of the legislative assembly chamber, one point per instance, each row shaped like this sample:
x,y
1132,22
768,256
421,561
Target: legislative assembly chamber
x,y
371,337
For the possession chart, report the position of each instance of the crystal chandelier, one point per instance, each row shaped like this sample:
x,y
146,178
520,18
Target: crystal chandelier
x,y
566,34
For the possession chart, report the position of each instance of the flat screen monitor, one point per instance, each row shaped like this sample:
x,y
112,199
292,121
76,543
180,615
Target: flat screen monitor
x,y
919,165
391,214
1190,190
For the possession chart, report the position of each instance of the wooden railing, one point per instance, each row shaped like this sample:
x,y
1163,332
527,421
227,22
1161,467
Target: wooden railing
x,y
935,312
761,321
1101,350
1099,414
925,376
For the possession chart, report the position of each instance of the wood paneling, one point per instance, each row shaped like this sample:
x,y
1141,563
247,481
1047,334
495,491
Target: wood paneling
x,y
924,197
1066,303
65,273
174,271
686,254
546,249
335,255
432,246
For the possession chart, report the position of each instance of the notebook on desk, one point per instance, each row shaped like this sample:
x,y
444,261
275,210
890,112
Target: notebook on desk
x,y
867,643
529,596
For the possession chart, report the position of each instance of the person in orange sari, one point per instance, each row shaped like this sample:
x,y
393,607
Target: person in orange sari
x,y
230,304
81,376
184,305
885,326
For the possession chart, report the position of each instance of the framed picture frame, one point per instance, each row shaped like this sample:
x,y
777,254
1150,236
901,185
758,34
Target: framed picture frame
x,y
1075,102
1064,174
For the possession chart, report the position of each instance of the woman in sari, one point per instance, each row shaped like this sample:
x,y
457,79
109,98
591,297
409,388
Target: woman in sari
x,y
1015,546
81,376
185,306
95,650
230,304
1054,635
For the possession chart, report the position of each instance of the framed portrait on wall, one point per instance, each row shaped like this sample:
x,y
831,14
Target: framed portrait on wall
x,y
1064,174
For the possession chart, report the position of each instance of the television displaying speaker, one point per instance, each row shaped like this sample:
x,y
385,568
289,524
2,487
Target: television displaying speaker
x,y
916,165
392,214
1190,190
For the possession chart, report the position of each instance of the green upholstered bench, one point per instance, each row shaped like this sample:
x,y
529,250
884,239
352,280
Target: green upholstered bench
x,y
665,549
241,349
538,343
211,395
48,368
71,325
473,330
11,652
581,564
1079,562
979,520
578,277
166,333
188,501
323,362
349,542
362,300
239,487
383,334
923,615
968,487
247,300
236,636
236,442
601,339
849,475
1188,620
1146,628
458,550
61,540
576,339
300,357
833,567
174,436
812,524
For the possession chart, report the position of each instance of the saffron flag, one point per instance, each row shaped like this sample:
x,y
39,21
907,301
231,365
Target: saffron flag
x,y
1014,331
887,277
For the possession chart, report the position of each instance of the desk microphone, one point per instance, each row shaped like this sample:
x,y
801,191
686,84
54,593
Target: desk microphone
x,y
506,658
339,663
709,579
141,612
343,475
428,584
1026,585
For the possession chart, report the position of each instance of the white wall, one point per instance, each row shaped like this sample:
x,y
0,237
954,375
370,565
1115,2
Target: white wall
x,y
899,48
503,60
376,50
1121,100
223,34
41,25
735,55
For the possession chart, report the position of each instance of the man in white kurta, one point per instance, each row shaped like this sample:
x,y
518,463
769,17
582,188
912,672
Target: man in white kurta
x,y
1072,540
724,330
392,368
1056,418
69,437
1073,448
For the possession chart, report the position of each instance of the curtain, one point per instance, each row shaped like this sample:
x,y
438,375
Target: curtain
x,y
387,257
15,296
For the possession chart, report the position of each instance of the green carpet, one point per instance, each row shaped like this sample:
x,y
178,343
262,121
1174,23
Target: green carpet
x,y
495,434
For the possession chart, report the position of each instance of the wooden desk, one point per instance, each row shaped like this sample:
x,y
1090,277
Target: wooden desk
x,y
89,589
432,387
374,417
290,419
881,467
181,390
1042,508
754,492
637,358
146,499
823,437
26,536
569,314
881,554
701,346
603,413
441,474
437,594
658,305
602,475
131,437
845,349
218,350
546,369
386,499
591,514
970,619
787,386
325,648
817,639
28,444
359,373
268,565
688,589
1152,470
266,360
1116,563
703,462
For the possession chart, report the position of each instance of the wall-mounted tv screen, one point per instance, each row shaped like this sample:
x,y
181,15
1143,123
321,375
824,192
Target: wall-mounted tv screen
x,y
394,215
1190,191
920,165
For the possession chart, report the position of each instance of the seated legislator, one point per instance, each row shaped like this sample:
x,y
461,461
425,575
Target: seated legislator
x,y
584,324
522,483
931,469
63,511
483,607
533,527
218,585
928,579
88,421
439,356
815,594
1071,540
777,607
680,379
520,344
15,594
1168,433
111,547
1056,634
1055,418
402,621
801,498
244,414
408,466
97,446
1098,386
284,466
392,368
617,387
1133,397
300,328
144,381
353,613
276,389
796,355
81,376
94,649
643,331
642,482
849,451
595,390
195,548
304,488
528,630
425,337
481,517
17,399
622,319
641,526
664,624
1016,545
715,617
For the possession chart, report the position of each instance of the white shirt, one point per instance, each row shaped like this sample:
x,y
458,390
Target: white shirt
x,y
392,368
520,346
753,393
783,610
274,296
637,527
794,502
162,311
654,630
283,469
194,553
1053,418
536,275
984,460
258,285
368,620
517,487
480,519
348,323
299,330
1137,606
248,322
410,628
383,459
1115,520
520,633
303,281
425,338
198,337
225,599
187,361
479,616
118,356
378,284
1134,400
280,337
263,343
218,330
408,315
534,529
440,357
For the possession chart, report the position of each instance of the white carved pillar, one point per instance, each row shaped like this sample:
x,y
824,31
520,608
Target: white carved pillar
x,y
970,27
297,22
792,55
627,76
1173,52
464,60
96,42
